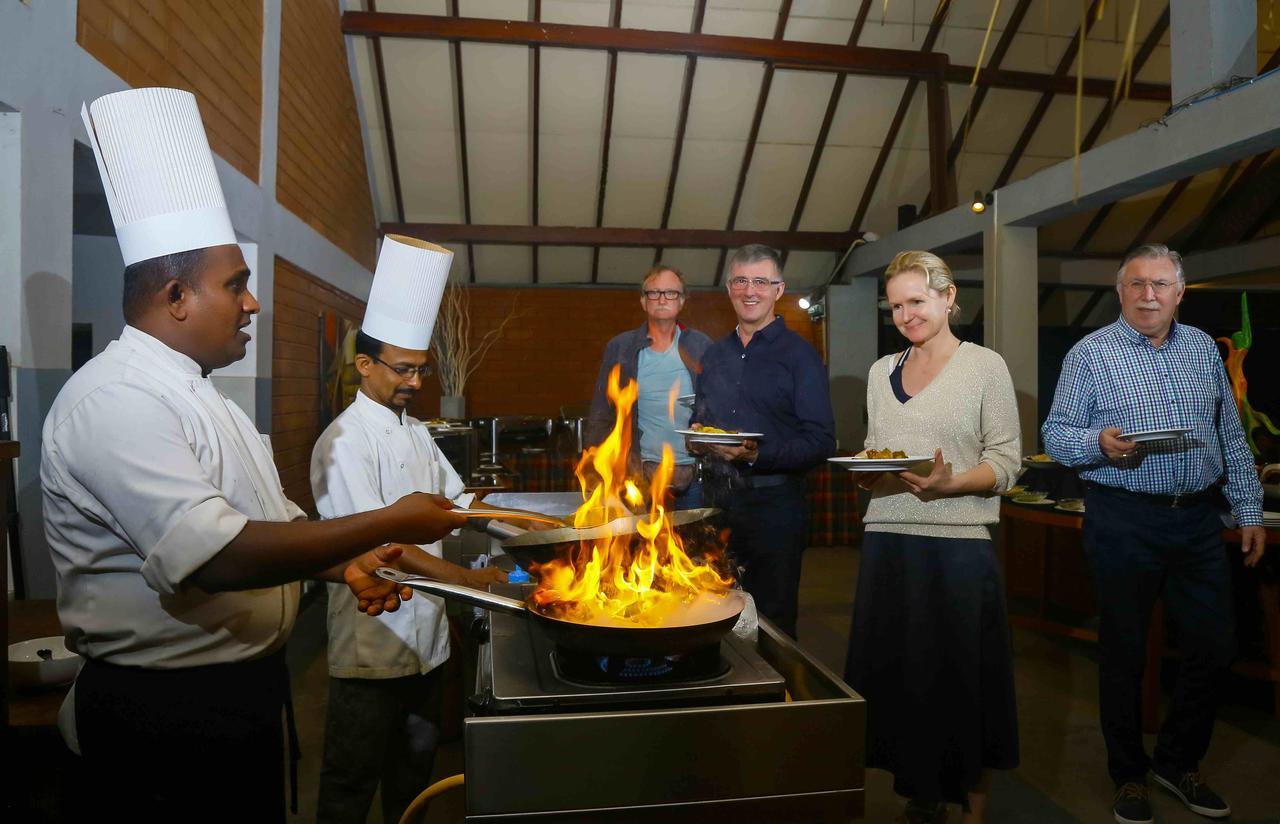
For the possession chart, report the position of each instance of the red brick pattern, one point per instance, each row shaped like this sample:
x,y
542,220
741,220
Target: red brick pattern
x,y
295,371
213,50
321,170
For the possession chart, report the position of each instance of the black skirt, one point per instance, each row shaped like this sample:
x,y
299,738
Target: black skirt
x,y
929,651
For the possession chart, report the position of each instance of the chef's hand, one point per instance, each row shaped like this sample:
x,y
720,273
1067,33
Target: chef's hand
x,y
375,595
1253,542
1115,447
423,518
937,484
483,577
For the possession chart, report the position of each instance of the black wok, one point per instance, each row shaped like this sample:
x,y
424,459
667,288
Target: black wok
x,y
633,642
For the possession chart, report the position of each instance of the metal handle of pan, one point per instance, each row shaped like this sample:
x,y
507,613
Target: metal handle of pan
x,y
457,592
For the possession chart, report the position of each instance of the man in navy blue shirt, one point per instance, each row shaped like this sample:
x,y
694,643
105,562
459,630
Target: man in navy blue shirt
x,y
762,377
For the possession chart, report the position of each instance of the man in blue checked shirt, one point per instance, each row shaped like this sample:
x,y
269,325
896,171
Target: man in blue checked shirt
x,y
1151,522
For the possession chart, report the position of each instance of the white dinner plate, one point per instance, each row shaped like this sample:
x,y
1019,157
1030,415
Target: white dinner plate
x,y
879,464
723,438
1155,435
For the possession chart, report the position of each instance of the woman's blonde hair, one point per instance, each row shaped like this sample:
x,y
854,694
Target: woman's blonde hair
x,y
937,274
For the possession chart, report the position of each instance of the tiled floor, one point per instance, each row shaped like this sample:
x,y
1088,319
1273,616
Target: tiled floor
x,y
1062,777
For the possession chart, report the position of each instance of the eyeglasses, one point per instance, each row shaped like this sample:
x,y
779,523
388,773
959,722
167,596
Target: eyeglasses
x,y
407,372
669,294
1139,287
739,284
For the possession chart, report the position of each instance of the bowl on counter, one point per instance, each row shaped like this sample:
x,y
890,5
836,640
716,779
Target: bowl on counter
x,y
42,662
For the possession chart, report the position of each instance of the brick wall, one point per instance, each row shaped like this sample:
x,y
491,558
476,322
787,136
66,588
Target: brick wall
x,y
321,170
295,371
213,50
551,354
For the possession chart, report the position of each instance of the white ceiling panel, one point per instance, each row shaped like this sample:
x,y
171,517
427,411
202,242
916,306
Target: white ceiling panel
x,y
500,180
1055,136
503,264
796,105
576,12
698,265
999,121
624,265
704,189
572,92
647,95
423,117
1129,117
564,264
905,180
837,187
739,18
494,9
412,6
568,180
723,99
773,184
637,183
866,108
808,269
496,83
384,203
821,21
658,15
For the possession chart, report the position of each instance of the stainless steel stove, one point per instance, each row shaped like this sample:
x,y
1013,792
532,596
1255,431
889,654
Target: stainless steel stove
x,y
758,730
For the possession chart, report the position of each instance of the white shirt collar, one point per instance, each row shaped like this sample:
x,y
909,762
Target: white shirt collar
x,y
136,338
376,412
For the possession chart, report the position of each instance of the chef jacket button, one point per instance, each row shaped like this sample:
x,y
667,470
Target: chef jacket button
x,y
402,466
388,431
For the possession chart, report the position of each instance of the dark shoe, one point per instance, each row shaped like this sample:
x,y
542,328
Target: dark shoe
x,y
1191,790
1132,806
920,812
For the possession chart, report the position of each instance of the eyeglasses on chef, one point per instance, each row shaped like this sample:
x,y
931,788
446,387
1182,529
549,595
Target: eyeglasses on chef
x,y
407,372
739,284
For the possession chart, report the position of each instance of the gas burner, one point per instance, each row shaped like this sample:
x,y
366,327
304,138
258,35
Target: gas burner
x,y
587,669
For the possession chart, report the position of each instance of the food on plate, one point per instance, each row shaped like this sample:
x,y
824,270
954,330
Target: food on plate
x,y
1032,498
1040,458
1071,504
1014,491
883,454
715,430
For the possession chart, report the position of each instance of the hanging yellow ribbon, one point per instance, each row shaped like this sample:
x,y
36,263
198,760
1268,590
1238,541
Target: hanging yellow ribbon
x,y
1125,78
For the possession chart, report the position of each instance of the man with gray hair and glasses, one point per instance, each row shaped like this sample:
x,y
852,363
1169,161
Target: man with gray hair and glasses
x,y
763,377
1144,409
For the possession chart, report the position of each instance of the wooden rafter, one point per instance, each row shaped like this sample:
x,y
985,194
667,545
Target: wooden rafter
x,y
828,117
784,54
1247,202
766,82
1149,44
617,236
686,91
1162,209
1042,105
1158,30
980,92
904,104
1089,305
535,144
615,20
385,102
462,143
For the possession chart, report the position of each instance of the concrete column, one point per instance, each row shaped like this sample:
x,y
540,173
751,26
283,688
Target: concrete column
x,y
1211,42
852,333
1010,301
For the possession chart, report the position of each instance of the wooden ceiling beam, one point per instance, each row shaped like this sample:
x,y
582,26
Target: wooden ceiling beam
x,y
904,104
618,236
385,103
462,143
686,91
762,98
853,59
535,136
615,20
837,90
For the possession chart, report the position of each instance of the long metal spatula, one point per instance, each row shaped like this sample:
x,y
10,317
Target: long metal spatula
x,y
626,525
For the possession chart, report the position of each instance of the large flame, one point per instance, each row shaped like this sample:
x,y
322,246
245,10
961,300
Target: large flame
x,y
639,579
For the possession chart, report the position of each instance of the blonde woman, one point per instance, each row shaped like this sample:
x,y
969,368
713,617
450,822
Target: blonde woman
x,y
929,647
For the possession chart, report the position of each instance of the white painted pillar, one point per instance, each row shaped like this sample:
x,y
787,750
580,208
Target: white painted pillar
x,y
852,338
1211,42
1010,303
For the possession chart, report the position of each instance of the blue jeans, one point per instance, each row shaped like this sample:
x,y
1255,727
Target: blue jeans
x,y
691,498
1138,552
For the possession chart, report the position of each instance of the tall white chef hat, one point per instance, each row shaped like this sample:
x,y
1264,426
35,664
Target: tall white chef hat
x,y
158,172
406,292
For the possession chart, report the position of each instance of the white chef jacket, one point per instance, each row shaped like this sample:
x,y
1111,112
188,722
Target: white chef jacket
x,y
368,458
147,472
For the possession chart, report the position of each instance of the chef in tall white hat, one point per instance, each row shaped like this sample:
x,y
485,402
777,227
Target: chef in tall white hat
x,y
385,671
177,554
